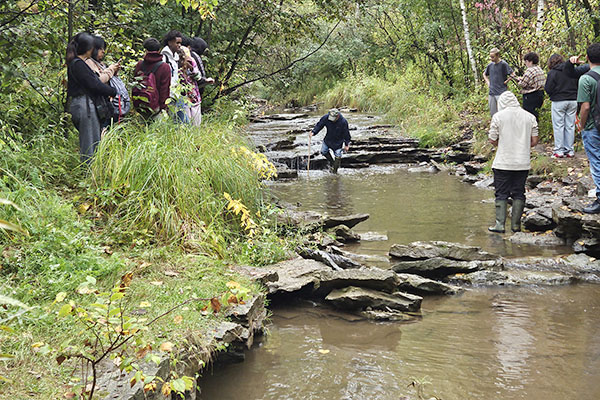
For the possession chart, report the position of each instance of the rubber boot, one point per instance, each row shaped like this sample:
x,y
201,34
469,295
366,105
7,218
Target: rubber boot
x,y
330,159
336,164
500,217
515,215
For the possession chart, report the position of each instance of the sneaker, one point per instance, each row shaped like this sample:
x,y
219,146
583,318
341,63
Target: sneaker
x,y
556,155
570,155
593,208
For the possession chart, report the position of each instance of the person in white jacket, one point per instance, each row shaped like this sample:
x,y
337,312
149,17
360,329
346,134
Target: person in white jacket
x,y
514,131
170,52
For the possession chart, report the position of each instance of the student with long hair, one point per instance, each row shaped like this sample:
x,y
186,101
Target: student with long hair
x,y
83,89
96,64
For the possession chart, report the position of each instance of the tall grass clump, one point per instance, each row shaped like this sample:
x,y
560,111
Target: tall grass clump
x,y
407,99
168,182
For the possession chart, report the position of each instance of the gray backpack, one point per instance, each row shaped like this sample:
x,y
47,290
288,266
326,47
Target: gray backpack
x,y
121,102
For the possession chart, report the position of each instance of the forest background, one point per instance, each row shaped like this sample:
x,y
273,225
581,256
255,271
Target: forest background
x,y
187,207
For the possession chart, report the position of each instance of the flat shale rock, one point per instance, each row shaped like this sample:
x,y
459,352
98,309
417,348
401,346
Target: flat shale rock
x,y
439,249
440,267
417,284
354,298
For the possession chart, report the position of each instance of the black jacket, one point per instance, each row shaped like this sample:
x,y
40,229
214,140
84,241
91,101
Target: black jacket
x,y
576,72
561,86
82,80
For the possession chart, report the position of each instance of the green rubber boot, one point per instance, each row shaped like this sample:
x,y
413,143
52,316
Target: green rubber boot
x,y
500,217
515,215
336,164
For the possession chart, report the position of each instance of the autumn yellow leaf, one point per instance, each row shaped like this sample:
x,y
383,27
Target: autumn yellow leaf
x,y
145,304
166,389
323,351
232,285
178,319
156,283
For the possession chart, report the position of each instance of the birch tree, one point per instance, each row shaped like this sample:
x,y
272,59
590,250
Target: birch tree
x,y
468,42
540,17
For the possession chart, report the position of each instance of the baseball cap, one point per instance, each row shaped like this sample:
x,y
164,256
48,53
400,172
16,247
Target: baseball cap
x,y
333,114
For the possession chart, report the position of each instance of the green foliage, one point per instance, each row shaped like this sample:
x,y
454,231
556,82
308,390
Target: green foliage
x,y
167,181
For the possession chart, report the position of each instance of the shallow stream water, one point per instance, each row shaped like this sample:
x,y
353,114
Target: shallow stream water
x,y
501,343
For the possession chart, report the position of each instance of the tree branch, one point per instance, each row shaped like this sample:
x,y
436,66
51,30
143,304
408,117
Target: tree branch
x,y
233,88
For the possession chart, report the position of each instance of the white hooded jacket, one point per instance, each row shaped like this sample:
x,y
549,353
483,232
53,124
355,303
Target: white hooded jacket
x,y
513,128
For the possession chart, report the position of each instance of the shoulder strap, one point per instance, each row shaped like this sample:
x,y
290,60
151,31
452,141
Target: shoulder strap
x,y
156,65
593,74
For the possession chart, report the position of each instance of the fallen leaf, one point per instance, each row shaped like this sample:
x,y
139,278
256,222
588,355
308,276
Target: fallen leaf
x,y
178,319
126,280
215,305
232,285
232,299
69,395
323,351
107,250
145,304
166,347
83,207
156,283
171,273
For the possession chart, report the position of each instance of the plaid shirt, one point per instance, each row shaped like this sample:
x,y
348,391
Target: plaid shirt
x,y
533,80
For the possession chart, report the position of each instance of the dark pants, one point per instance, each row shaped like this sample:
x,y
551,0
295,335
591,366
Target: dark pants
x,y
510,184
533,101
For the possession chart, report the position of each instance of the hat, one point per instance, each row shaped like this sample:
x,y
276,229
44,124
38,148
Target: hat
x,y
333,114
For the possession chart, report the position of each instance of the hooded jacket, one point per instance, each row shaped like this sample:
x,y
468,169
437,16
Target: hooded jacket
x,y
172,59
513,128
337,134
162,75
560,85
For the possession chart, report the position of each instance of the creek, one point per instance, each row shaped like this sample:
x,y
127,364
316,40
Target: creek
x,y
487,343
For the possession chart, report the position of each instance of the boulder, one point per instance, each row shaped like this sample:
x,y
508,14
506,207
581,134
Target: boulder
x,y
251,314
372,278
568,223
473,168
485,183
355,298
358,257
437,249
296,275
343,234
545,239
440,267
534,180
417,284
536,221
373,236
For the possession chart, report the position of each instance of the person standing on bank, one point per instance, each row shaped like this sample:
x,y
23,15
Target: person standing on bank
x,y
83,88
562,90
337,138
532,84
514,131
586,96
495,77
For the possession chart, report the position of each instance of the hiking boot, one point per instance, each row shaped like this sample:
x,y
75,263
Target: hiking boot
x,y
515,215
336,165
593,208
500,217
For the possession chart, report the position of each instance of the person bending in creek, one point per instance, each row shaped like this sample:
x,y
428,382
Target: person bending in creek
x,y
514,131
337,138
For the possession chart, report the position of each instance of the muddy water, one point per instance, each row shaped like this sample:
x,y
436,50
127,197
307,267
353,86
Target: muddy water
x,y
505,343
485,344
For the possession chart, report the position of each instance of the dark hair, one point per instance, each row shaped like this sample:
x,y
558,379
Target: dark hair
x,y
186,41
593,53
80,44
170,36
151,44
198,45
99,43
554,60
533,57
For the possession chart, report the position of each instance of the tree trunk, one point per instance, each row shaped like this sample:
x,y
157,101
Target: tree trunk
x,y
540,17
569,27
463,9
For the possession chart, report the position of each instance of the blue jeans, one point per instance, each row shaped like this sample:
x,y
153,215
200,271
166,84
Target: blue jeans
x,y
563,123
591,143
325,150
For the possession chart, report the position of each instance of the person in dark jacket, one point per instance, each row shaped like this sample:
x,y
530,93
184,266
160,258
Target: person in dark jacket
x,y
562,90
83,88
338,135
162,74
575,72
198,47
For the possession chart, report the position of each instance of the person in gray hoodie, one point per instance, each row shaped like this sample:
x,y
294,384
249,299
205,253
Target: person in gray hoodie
x,y
514,132
562,89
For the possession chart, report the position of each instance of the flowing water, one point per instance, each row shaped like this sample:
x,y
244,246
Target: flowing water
x,y
501,343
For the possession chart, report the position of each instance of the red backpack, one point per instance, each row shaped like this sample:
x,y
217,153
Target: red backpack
x,y
145,92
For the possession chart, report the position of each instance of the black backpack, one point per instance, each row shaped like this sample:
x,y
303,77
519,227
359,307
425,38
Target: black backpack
x,y
595,111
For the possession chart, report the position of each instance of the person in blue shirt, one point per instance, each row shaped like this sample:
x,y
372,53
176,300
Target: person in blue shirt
x,y
337,138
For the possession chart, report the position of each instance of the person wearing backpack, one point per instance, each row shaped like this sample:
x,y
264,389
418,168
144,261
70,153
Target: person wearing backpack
x,y
84,90
121,102
152,90
589,116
